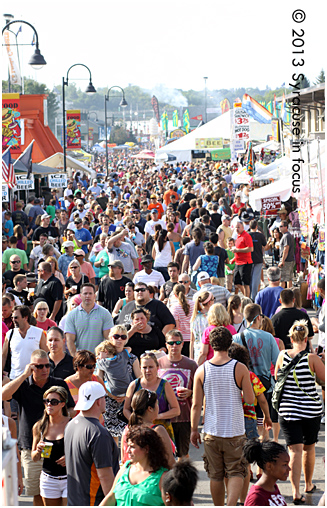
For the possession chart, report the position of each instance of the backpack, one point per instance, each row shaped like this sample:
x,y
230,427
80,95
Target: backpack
x,y
281,378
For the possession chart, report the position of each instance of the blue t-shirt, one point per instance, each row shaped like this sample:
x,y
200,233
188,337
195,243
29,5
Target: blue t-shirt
x,y
263,351
10,226
84,235
268,299
193,251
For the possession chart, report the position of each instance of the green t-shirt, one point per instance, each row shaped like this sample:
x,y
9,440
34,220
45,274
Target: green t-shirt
x,y
6,255
51,210
228,266
104,270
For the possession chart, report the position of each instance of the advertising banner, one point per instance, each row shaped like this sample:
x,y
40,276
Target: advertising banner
x,y
24,183
208,143
101,133
221,154
177,133
5,192
11,123
73,123
14,71
271,205
57,181
91,137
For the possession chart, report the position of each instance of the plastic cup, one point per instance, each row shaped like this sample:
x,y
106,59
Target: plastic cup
x,y
179,390
46,452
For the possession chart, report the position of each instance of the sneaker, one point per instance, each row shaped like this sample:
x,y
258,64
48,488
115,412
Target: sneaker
x,y
323,420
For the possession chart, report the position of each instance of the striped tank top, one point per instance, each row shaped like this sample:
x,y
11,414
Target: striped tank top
x,y
296,403
224,415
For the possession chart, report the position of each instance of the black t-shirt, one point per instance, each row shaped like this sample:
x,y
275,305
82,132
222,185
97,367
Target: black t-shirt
x,y
20,218
51,291
284,320
102,200
219,251
183,207
10,275
216,219
50,230
70,282
160,314
140,342
64,368
194,214
189,196
30,400
22,296
110,291
141,224
259,241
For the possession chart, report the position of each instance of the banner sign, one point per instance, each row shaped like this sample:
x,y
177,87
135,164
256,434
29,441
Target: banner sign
x,y
275,130
241,124
271,204
23,183
14,71
198,118
177,133
101,131
57,181
239,145
11,123
5,192
73,129
222,154
91,137
208,143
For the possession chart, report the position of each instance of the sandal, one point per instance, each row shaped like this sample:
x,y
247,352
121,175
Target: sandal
x,y
312,490
300,500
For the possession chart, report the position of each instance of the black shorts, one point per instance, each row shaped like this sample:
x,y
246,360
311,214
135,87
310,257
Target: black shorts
x,y
182,434
300,431
273,413
242,274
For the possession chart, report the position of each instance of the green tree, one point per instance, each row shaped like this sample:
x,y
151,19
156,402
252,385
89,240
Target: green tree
x,y
120,136
320,78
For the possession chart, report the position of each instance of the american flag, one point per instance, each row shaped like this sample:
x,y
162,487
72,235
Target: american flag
x,y
8,172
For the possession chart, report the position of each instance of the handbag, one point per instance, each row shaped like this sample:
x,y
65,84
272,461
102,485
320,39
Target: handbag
x,y
266,381
120,415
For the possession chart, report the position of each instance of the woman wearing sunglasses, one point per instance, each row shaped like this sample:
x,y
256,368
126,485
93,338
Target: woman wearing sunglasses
x,y
84,366
40,313
117,372
75,280
50,429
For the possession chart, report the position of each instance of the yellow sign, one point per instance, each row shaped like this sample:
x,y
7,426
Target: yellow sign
x,y
208,143
177,133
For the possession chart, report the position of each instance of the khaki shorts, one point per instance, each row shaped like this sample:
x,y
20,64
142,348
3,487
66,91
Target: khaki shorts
x,y
229,281
287,271
221,281
223,457
32,472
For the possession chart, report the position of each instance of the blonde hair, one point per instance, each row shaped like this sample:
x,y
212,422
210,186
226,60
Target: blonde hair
x,y
76,262
118,328
218,315
214,280
199,299
51,259
299,331
39,305
106,347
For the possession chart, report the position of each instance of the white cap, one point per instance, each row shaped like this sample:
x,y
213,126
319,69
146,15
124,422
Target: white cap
x,y
45,216
88,393
203,276
68,244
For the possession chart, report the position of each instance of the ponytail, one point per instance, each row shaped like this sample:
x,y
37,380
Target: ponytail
x,y
233,304
179,291
262,452
197,236
162,238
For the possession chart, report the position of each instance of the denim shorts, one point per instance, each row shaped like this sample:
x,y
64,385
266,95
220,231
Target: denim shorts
x,y
251,429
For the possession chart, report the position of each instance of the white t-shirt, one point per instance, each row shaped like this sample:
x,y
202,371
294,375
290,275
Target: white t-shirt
x,y
149,227
22,349
155,278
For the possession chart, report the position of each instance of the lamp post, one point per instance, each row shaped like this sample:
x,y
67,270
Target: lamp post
x,y
88,134
123,104
89,90
37,60
205,98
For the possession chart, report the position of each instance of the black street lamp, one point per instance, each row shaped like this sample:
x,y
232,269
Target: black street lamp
x,y
89,90
37,60
205,98
122,104
88,118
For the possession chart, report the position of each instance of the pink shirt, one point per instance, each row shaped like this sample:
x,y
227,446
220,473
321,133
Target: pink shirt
x,y
5,329
205,337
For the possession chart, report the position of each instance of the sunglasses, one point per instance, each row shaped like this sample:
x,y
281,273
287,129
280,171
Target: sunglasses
x,y
140,290
148,354
42,308
89,366
122,337
177,342
42,366
184,281
73,267
52,402
14,262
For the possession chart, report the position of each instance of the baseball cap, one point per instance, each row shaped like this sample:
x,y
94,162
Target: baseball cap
x,y
88,393
68,244
77,220
79,252
45,216
147,258
30,278
226,217
154,210
153,196
203,276
238,194
79,202
97,247
117,263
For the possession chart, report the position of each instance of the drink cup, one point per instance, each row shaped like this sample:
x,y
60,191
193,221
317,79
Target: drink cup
x,y
179,390
46,452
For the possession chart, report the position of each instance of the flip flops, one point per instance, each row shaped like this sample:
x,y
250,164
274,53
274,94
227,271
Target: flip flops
x,y
300,500
312,490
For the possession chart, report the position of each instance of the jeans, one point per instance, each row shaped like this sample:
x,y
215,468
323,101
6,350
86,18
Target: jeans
x,y
255,280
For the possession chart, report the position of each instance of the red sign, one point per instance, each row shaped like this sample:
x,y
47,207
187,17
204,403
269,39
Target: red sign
x,y
199,118
271,205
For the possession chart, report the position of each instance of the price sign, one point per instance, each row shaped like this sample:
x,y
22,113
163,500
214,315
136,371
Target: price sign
x,y
241,124
57,181
271,205
23,183
5,192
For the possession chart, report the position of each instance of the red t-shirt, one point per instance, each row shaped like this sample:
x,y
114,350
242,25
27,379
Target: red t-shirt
x,y
157,206
236,208
48,323
257,496
243,241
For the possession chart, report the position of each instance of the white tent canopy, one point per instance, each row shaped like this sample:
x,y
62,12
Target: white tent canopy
x,y
281,188
219,127
280,168
57,161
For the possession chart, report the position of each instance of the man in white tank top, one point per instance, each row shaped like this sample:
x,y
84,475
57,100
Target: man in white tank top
x,y
221,380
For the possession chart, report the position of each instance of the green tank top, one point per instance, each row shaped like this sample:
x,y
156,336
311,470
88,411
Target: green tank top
x,y
146,493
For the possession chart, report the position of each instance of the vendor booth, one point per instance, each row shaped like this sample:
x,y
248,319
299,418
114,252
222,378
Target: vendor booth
x,y
57,161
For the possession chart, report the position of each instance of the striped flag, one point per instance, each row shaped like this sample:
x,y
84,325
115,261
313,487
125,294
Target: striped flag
x,y
186,120
249,162
275,106
26,158
175,118
164,121
283,112
8,172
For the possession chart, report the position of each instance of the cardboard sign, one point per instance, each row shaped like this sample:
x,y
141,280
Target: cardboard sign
x,y
5,192
271,204
23,183
57,181
208,143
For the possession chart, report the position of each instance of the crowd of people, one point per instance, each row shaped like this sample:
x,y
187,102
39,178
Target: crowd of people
x,y
131,290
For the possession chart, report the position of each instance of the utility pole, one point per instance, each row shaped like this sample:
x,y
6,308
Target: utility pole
x,y
205,98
